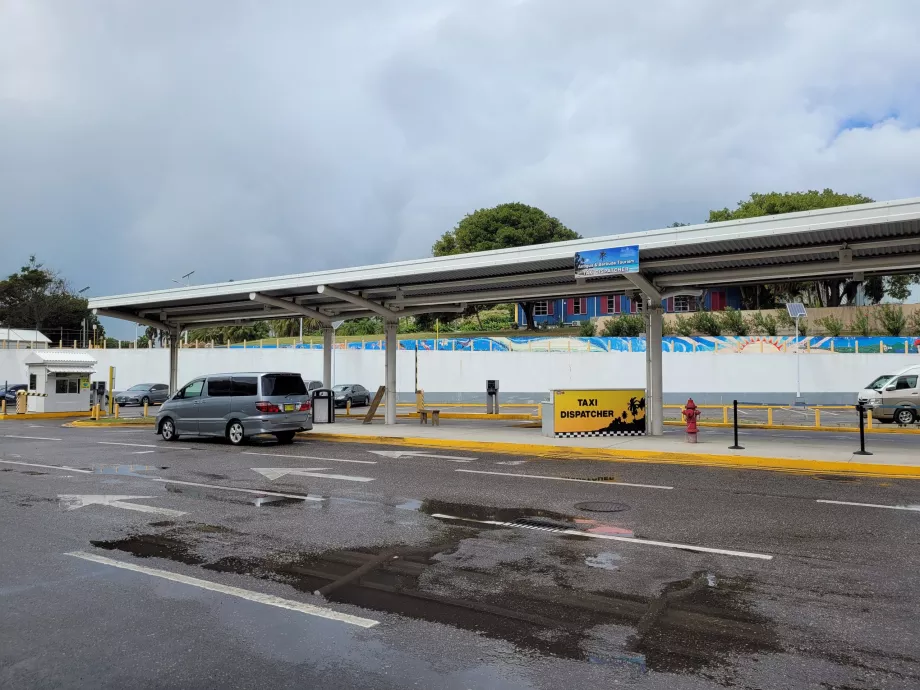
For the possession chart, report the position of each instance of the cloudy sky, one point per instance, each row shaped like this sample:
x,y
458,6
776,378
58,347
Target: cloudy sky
x,y
140,140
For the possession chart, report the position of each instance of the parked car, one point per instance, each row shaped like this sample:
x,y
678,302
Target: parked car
x,y
237,406
8,392
143,394
896,399
351,392
313,385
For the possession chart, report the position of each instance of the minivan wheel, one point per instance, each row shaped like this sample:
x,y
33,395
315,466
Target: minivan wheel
x,y
145,400
235,433
285,436
904,416
168,430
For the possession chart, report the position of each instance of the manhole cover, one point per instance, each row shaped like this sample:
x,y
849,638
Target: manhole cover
x,y
601,507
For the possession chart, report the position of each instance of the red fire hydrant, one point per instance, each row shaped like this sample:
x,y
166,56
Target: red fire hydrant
x,y
690,413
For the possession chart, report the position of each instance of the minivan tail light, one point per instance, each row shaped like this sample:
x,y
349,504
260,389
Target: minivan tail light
x,y
267,407
304,407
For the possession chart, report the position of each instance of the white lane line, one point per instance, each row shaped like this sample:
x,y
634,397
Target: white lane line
x,y
915,508
632,540
259,598
33,438
141,445
309,457
565,479
143,452
50,467
233,488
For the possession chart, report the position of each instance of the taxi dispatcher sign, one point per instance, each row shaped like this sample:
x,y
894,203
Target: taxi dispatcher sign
x,y
579,413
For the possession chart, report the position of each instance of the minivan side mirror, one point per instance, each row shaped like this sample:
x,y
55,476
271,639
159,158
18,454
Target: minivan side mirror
x,y
891,387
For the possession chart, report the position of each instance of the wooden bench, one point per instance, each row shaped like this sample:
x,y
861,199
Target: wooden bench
x,y
435,417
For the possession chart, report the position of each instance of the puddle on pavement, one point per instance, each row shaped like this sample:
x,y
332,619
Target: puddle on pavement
x,y
700,625
606,560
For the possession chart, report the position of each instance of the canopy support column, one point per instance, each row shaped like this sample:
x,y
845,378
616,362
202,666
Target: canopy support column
x,y
391,345
174,360
328,344
654,403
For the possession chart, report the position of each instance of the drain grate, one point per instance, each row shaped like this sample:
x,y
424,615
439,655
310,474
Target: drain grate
x,y
541,524
601,507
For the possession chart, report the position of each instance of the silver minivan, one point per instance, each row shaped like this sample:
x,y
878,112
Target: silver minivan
x,y
237,406
897,399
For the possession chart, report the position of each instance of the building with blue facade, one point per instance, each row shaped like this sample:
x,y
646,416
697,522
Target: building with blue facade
x,y
577,309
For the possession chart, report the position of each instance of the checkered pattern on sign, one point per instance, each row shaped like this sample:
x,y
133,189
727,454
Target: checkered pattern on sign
x,y
586,434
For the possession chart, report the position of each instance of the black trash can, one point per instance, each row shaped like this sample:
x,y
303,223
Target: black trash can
x,y
323,406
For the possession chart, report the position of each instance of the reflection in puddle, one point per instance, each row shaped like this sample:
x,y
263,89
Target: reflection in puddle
x,y
411,504
606,560
238,499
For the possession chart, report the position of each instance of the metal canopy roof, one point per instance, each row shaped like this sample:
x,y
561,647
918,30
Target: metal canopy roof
x,y
877,238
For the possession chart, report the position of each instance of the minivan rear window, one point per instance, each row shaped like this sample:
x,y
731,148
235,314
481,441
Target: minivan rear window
x,y
244,385
283,384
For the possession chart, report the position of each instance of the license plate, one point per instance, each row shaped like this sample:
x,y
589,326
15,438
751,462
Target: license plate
x,y
288,408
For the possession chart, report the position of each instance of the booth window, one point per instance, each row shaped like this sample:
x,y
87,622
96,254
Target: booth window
x,y
64,385
60,385
32,382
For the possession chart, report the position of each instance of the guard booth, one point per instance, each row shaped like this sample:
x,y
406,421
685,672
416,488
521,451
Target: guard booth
x,y
59,381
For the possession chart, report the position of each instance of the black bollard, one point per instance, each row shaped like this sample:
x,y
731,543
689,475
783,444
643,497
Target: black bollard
x,y
862,431
736,446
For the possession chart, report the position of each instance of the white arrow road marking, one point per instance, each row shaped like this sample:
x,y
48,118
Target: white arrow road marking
x,y
634,540
74,501
310,457
565,479
143,452
33,438
417,454
258,597
915,508
273,473
50,467
141,445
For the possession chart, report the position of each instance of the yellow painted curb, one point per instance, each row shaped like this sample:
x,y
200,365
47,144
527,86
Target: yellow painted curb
x,y
101,425
42,415
481,416
638,456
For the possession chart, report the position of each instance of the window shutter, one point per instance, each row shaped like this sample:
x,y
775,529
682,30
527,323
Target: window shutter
x,y
618,304
549,307
670,305
569,307
584,305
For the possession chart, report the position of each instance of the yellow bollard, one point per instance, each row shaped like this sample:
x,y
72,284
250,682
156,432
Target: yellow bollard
x,y
539,410
116,410
3,406
869,420
725,415
347,407
146,405
769,416
817,418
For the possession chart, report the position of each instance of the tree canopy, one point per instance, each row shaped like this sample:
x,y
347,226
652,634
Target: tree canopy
x,y
503,226
36,297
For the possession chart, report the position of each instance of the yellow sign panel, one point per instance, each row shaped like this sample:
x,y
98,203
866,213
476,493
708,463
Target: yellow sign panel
x,y
84,384
599,412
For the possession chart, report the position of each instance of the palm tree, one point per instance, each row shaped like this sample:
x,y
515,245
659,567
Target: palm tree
x,y
633,407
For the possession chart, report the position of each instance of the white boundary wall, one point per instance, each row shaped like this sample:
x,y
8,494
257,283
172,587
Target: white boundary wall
x,y
709,377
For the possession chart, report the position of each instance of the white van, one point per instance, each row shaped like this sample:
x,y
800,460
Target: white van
x,y
894,398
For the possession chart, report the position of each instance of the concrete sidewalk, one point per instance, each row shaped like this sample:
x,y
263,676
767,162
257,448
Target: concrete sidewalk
x,y
804,455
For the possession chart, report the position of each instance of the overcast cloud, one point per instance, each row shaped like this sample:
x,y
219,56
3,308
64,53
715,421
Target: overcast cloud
x,y
140,140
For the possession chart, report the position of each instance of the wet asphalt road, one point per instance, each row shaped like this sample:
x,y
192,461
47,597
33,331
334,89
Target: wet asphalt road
x,y
477,575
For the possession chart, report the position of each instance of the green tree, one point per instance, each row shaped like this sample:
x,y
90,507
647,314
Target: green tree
x,y
892,320
832,325
501,227
36,297
830,292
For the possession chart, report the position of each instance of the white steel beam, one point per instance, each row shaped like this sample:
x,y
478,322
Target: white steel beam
x,y
392,345
644,285
518,294
160,325
470,282
290,307
328,344
800,271
356,299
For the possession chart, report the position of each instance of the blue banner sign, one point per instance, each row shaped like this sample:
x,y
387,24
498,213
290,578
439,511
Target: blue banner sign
x,y
600,262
